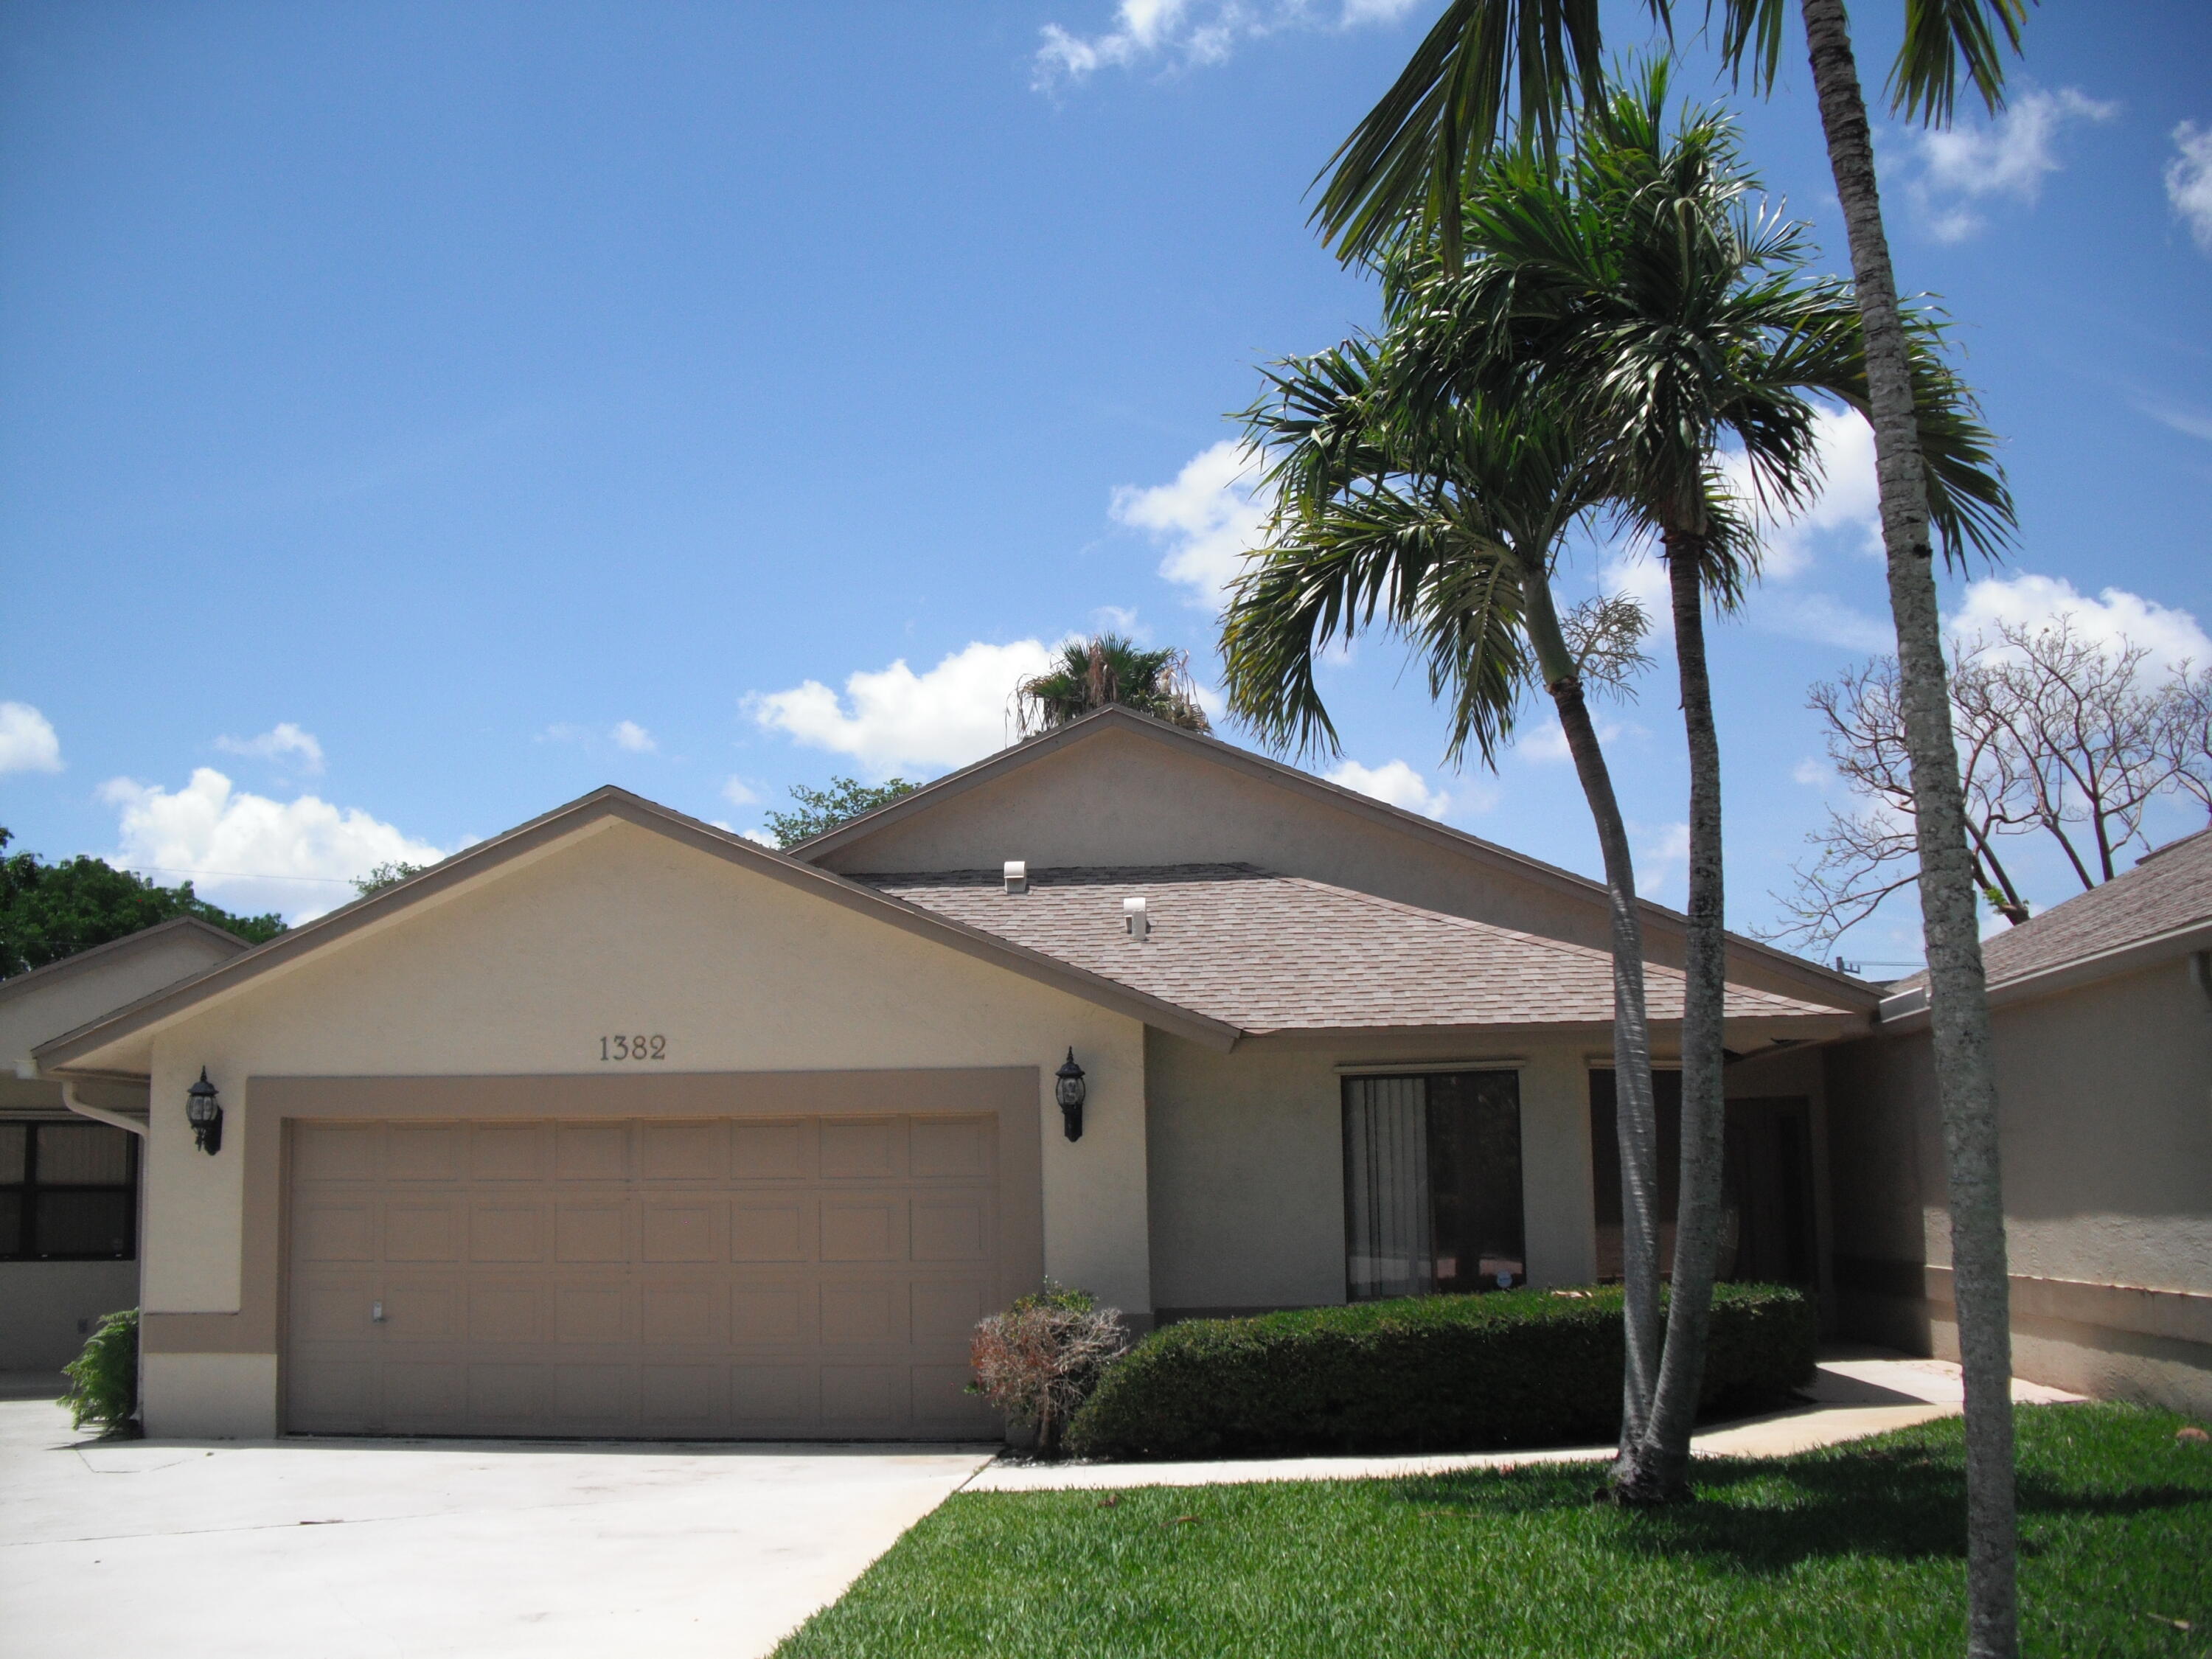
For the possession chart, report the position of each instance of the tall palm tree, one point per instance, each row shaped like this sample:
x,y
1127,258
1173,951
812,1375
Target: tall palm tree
x,y
1633,285
1445,527
1109,668
1412,154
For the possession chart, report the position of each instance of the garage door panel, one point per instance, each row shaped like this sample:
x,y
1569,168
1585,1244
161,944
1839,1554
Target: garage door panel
x,y
592,1314
329,1231
424,1152
508,1232
595,1231
685,1315
863,1149
338,1151
591,1151
683,1152
953,1229
772,1152
772,1229
959,1148
776,1277
425,1230
418,1312
863,1228
511,1151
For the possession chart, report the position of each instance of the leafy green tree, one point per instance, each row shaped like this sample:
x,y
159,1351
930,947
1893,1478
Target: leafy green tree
x,y
386,875
1412,154
49,911
821,810
1109,669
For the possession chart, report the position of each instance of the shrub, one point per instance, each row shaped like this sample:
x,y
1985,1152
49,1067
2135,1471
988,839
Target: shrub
x,y
1438,1373
104,1378
1039,1360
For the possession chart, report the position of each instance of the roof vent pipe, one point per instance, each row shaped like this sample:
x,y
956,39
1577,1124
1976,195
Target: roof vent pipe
x,y
1017,876
1136,919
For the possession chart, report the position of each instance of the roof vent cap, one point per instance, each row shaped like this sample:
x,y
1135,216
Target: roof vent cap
x,y
1017,876
1136,919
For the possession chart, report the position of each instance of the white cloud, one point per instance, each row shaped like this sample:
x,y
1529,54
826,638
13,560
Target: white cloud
x,y
760,837
282,739
27,742
1849,499
1812,773
1210,517
738,794
626,735
250,851
2186,421
2006,158
2170,636
1547,743
1179,33
1825,620
1395,782
629,735
894,718
2189,180
1664,855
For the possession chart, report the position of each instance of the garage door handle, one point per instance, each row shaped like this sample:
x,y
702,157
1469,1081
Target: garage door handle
x,y
376,1313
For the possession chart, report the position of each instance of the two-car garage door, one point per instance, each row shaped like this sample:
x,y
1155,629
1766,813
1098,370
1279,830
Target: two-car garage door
x,y
742,1277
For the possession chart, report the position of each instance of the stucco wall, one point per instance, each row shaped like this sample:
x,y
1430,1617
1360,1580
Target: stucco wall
x,y
46,1005
1120,798
1247,1172
2105,1126
42,1303
626,931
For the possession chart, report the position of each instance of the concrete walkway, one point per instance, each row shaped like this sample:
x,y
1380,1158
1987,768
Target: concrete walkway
x,y
317,1549
1856,1391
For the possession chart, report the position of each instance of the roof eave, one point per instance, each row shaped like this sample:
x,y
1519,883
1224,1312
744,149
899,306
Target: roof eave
x,y
1907,1012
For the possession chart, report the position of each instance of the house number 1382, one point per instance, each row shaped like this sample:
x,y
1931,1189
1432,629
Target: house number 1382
x,y
633,1048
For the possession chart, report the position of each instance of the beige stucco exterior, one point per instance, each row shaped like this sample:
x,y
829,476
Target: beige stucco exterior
x,y
2105,1126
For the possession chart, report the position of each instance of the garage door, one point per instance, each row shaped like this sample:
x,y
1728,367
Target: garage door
x,y
749,1278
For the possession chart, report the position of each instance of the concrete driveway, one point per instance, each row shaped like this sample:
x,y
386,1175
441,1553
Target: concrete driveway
x,y
328,1549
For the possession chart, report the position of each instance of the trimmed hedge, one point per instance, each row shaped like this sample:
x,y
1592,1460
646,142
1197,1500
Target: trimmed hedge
x,y
1437,1373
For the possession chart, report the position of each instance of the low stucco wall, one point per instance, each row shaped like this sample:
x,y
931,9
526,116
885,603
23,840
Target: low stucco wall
x,y
48,1307
1247,1174
620,930
2105,1125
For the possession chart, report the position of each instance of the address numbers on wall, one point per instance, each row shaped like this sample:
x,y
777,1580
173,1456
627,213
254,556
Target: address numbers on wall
x,y
633,1048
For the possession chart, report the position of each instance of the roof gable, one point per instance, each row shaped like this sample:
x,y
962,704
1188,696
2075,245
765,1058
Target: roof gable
x,y
1118,789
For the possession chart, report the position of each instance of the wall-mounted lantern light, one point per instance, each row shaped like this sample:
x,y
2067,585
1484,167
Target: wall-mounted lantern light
x,y
1069,1091
205,1111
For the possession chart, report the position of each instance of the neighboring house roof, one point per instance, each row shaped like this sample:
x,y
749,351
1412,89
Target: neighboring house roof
x,y
1267,953
116,951
1848,991
2161,907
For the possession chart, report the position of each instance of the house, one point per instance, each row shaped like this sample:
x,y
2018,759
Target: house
x,y
618,1124
68,1167
2101,1019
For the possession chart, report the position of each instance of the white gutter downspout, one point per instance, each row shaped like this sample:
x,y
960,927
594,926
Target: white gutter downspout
x,y
100,1114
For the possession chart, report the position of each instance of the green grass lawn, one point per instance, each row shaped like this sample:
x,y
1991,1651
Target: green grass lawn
x,y
1855,1551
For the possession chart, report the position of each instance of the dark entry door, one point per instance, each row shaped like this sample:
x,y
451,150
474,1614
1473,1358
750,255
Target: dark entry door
x,y
1766,1228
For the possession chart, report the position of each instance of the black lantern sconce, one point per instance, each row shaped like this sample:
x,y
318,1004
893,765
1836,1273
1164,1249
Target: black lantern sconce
x,y
1069,1091
205,1112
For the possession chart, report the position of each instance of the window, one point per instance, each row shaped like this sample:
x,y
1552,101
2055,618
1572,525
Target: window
x,y
68,1192
1432,1183
1766,1183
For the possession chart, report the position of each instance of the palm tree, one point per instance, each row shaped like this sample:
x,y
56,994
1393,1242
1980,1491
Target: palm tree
x,y
1445,525
1634,287
1412,154
1109,669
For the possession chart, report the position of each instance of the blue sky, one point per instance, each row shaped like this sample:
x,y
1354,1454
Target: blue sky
x,y
413,416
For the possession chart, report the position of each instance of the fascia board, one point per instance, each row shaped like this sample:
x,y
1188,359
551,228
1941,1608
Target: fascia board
x,y
1907,1012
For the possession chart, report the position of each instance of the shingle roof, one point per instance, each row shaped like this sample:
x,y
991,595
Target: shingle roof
x,y
1269,952
2169,887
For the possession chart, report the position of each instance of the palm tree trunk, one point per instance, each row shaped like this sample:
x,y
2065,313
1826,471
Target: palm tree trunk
x,y
1635,1117
1659,1470
1958,1000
